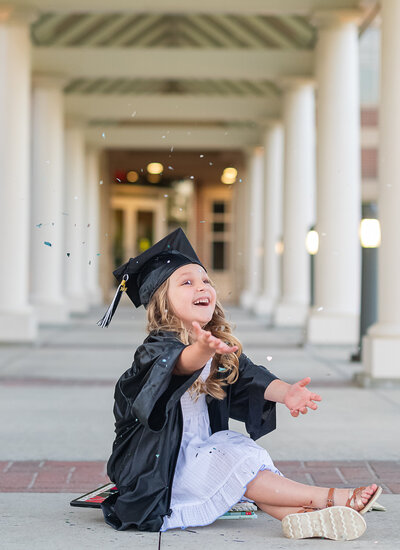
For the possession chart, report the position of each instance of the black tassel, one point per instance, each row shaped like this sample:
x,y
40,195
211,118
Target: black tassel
x,y
106,319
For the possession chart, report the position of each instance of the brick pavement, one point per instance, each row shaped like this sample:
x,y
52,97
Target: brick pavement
x,y
48,476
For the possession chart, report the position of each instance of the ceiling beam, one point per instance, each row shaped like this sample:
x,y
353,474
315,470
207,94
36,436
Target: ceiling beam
x,y
183,138
235,7
173,63
92,107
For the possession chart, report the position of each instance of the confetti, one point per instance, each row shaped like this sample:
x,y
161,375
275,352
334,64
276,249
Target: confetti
x,y
172,148
157,456
210,163
103,135
133,114
320,308
68,254
201,156
39,225
101,182
98,254
90,262
165,195
203,221
170,168
269,358
47,243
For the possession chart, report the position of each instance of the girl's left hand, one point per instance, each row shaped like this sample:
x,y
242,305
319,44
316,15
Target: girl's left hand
x,y
298,398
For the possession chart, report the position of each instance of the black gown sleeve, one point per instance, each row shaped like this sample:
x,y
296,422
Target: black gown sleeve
x,y
143,393
247,402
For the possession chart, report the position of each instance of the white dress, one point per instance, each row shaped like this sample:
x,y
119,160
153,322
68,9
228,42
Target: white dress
x,y
212,470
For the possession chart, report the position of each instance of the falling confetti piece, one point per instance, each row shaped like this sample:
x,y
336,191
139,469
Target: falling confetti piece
x,y
172,148
163,137
165,195
101,182
157,456
170,168
88,224
103,135
269,358
68,254
210,163
320,308
118,180
98,254
201,156
133,114
39,225
90,262
47,243
192,177
203,221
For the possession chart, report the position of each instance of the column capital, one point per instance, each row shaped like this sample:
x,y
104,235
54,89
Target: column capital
x,y
17,14
288,83
325,19
49,80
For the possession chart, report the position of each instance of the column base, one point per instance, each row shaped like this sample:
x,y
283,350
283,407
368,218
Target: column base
x,y
78,303
290,315
52,314
380,357
247,299
95,297
18,327
264,307
333,328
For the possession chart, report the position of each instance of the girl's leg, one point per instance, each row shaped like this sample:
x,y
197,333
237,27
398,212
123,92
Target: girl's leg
x,y
279,512
272,489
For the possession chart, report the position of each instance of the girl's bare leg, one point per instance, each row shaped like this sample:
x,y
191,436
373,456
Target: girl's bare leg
x,y
279,512
272,489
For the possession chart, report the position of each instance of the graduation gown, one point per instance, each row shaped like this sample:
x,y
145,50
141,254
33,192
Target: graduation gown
x,y
149,423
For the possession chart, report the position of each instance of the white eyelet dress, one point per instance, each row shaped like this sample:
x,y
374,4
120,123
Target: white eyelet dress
x,y
212,470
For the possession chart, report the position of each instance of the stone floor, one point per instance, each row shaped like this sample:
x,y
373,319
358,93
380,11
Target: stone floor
x,y
56,431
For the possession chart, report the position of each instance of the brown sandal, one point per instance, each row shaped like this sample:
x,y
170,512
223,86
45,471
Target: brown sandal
x,y
354,501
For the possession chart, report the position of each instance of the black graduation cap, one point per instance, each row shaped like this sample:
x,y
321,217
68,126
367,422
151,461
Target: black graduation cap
x,y
141,276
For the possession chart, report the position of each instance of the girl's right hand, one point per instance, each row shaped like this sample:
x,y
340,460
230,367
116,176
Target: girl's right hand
x,y
210,342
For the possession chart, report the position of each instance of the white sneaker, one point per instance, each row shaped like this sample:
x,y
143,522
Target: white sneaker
x,y
335,523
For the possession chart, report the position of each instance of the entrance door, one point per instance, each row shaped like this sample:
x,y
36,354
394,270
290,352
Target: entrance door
x,y
216,238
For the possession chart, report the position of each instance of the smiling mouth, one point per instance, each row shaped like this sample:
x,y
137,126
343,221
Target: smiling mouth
x,y
202,302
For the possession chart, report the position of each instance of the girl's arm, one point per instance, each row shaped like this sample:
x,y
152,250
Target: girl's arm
x,y
296,397
195,356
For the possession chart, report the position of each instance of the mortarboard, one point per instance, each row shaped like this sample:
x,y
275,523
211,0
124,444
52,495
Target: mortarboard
x,y
141,276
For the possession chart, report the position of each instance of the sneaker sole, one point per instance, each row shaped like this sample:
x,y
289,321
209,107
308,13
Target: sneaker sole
x,y
335,523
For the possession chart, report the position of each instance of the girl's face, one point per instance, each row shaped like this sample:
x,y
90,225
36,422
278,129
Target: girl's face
x,y
191,295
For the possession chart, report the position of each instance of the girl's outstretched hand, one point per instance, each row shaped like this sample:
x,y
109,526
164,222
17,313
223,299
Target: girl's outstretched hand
x,y
298,398
207,340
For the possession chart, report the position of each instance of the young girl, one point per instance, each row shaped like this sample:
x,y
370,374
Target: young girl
x,y
175,461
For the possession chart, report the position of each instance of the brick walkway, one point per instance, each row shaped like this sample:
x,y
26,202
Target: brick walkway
x,y
49,476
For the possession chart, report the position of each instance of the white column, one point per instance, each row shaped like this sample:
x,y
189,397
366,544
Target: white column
x,y
76,220
273,182
47,220
381,347
298,200
17,319
93,186
335,317
255,181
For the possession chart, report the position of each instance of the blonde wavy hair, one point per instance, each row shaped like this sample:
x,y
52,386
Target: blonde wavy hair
x,y
160,316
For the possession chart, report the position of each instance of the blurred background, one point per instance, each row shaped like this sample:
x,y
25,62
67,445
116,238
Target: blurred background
x,y
253,126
